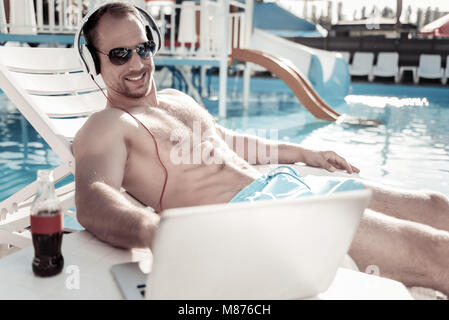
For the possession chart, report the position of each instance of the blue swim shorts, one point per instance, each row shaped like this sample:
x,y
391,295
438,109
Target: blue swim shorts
x,y
284,182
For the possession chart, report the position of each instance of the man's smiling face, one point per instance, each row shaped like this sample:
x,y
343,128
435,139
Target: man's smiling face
x,y
133,78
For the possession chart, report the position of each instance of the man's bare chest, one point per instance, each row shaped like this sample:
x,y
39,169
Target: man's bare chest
x,y
171,126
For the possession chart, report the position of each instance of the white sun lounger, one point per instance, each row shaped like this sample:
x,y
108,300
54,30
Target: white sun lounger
x,y
387,66
49,90
362,64
430,68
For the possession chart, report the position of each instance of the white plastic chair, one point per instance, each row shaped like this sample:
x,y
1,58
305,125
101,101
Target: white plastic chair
x,y
430,68
362,64
387,66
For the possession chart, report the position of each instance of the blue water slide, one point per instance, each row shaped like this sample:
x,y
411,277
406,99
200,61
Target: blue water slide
x,y
327,71
278,21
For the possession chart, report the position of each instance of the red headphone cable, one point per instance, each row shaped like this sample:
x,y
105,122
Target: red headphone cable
x,y
152,136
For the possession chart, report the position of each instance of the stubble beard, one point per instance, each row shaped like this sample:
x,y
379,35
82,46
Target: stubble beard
x,y
137,94
132,93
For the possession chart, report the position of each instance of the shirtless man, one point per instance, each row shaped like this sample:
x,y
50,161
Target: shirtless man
x,y
406,234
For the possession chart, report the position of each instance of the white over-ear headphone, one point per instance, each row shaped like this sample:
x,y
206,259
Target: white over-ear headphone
x,y
90,60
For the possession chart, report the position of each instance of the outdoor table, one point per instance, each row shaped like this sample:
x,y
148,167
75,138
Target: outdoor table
x,y
402,69
87,275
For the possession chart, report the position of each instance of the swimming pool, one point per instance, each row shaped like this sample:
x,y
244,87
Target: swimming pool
x,y
410,149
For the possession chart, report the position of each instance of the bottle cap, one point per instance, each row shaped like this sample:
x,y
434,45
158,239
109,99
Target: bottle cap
x,y
45,174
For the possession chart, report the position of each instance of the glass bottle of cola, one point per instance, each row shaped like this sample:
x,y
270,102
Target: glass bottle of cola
x,y
47,225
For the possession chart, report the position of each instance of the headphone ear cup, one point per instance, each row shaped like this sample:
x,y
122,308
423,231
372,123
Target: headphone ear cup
x,y
151,38
148,33
91,60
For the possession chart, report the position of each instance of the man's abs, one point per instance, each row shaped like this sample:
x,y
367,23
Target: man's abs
x,y
190,184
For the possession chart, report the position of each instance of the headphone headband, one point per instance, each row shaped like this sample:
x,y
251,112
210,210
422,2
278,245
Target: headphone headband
x,y
90,61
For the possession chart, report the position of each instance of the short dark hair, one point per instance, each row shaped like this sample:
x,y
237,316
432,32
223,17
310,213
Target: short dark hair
x,y
115,9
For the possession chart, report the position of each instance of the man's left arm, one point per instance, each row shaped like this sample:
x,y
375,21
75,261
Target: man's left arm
x,y
258,150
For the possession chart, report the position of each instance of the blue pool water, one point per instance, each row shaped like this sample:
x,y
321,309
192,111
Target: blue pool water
x,y
410,149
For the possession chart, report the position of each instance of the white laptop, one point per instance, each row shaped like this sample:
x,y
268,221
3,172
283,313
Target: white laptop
x,y
283,249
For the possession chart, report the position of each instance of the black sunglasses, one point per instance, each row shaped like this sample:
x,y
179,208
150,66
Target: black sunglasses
x,y
119,56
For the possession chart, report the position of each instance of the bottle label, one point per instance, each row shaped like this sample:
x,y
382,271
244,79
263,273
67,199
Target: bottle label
x,y
47,224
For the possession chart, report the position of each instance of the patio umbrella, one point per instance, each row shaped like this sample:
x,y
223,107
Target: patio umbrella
x,y
438,28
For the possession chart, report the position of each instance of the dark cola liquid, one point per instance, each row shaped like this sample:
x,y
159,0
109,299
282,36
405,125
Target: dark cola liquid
x,y
48,260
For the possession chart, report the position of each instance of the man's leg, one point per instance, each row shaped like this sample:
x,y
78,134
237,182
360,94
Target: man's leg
x,y
409,252
430,208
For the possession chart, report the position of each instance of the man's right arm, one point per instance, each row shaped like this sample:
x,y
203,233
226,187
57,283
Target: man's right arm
x,y
100,151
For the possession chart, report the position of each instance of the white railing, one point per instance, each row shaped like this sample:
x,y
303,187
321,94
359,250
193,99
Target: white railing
x,y
236,32
305,8
50,16
206,30
199,31
201,28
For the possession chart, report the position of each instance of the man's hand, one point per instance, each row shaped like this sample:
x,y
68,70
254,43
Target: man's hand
x,y
328,160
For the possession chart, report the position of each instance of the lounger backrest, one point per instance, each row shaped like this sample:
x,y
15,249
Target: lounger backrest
x,y
388,60
54,80
430,63
363,60
40,60
52,92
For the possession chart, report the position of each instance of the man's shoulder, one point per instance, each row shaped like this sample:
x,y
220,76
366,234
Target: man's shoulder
x,y
108,118
175,94
178,98
101,127
171,92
